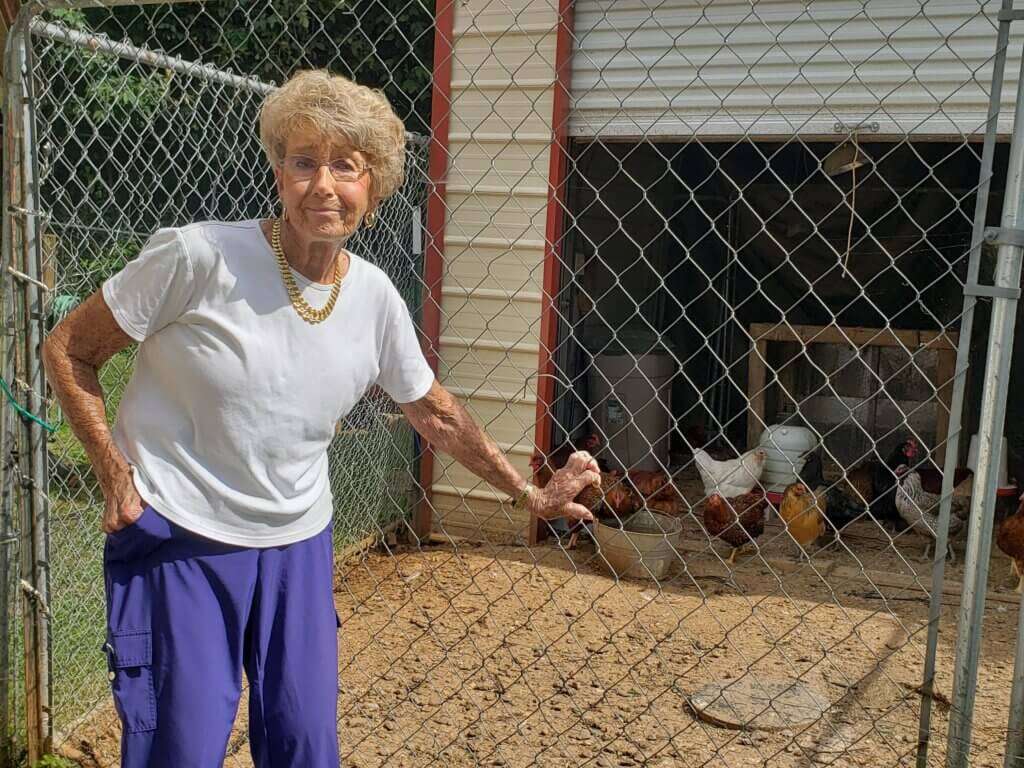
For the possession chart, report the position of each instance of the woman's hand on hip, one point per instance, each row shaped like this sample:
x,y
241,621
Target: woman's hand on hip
x,y
123,506
556,498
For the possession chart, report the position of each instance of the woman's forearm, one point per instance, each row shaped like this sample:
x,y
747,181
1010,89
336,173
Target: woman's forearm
x,y
72,355
448,426
77,388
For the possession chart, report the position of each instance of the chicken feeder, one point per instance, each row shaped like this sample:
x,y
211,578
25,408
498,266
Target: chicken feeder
x,y
786,446
645,547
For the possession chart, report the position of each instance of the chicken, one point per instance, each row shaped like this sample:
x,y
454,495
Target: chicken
x,y
963,481
965,488
736,521
674,506
560,457
731,478
1010,539
614,497
960,503
804,515
920,509
861,484
812,472
884,479
841,509
655,485
873,483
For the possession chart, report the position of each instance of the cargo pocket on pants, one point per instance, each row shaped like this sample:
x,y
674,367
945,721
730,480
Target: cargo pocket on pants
x,y
130,661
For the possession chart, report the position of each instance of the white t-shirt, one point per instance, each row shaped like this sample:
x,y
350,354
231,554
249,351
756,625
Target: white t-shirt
x,y
234,398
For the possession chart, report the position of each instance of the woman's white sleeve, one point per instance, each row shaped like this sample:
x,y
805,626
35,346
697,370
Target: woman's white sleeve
x,y
154,289
404,372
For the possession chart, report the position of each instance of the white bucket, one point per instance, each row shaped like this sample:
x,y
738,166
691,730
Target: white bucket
x,y
786,446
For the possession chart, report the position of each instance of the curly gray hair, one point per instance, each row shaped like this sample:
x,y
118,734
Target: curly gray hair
x,y
339,110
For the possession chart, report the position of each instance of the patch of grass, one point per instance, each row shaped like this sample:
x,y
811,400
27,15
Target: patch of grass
x,y
55,761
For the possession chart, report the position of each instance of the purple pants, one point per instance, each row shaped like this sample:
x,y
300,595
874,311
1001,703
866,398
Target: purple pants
x,y
185,616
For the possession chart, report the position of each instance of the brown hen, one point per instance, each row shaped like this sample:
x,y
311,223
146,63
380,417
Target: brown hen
x,y
613,497
1010,539
736,521
653,485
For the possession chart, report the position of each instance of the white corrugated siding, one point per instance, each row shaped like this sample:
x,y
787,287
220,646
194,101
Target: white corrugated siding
x,y
682,68
499,145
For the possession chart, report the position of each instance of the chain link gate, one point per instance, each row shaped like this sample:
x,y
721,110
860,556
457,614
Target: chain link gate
x,y
703,252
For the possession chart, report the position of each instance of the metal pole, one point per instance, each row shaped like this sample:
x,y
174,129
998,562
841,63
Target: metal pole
x,y
959,385
24,243
8,429
990,430
36,305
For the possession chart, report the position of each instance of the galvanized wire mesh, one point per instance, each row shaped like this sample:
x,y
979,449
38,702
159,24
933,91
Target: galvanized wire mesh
x,y
766,219
126,148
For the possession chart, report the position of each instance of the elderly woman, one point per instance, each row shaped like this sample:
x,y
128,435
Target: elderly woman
x,y
254,337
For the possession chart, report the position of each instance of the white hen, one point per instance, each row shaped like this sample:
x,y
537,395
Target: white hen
x,y
731,478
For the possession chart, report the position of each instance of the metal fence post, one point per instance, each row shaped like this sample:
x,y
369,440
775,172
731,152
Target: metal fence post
x,y
23,239
1004,295
959,385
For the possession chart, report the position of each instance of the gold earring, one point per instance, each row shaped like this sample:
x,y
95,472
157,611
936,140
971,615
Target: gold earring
x,y
370,219
284,213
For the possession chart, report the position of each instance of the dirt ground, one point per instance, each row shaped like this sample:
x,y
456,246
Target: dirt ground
x,y
478,654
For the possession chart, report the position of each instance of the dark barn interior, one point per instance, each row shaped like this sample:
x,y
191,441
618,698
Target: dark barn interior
x,y
677,255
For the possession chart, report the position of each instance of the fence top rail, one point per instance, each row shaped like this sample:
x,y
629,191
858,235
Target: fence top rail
x,y
98,43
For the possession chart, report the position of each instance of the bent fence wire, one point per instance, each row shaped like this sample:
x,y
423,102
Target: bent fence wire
x,y
735,250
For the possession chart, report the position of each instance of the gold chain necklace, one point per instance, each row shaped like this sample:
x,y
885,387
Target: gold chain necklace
x,y
302,307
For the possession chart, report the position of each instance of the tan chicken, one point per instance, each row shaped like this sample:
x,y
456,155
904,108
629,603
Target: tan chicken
x,y
736,521
803,512
1010,539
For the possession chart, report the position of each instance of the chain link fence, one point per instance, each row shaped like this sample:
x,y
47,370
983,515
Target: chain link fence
x,y
735,250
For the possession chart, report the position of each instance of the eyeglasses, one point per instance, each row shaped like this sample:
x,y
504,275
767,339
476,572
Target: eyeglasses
x,y
303,168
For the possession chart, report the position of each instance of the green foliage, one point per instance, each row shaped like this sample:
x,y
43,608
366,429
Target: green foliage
x,y
55,761
109,94
101,263
386,44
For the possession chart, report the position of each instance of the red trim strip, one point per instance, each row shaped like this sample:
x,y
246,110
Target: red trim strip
x,y
558,170
433,260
